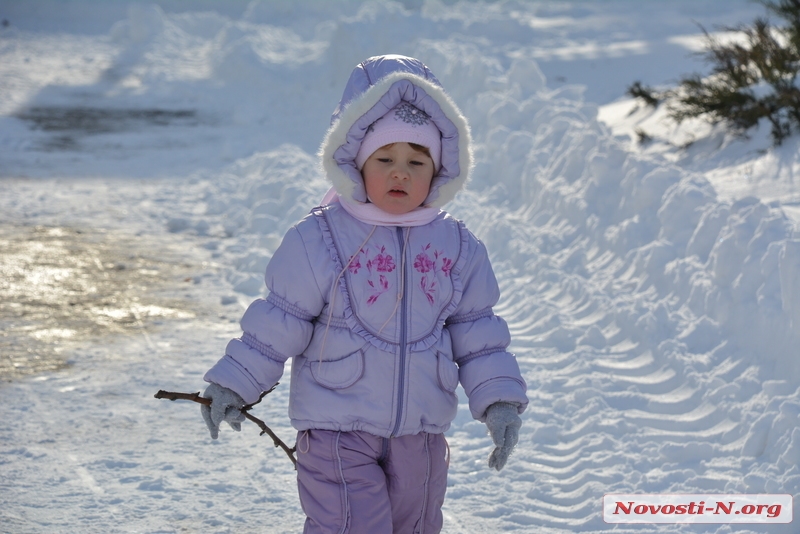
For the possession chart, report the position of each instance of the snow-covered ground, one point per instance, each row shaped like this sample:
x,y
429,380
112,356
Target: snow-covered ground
x,y
152,156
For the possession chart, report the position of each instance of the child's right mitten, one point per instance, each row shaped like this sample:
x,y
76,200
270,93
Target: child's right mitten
x,y
225,406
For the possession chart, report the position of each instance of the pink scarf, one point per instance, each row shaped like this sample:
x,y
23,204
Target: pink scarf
x,y
369,213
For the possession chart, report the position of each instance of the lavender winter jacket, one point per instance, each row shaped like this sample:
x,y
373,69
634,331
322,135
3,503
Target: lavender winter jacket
x,y
382,322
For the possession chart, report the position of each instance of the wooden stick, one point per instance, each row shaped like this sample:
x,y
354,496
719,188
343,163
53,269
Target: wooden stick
x,y
195,397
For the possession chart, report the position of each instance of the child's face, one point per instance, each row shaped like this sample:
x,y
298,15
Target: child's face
x,y
397,178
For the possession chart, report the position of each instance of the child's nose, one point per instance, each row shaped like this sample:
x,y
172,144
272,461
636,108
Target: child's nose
x,y
400,172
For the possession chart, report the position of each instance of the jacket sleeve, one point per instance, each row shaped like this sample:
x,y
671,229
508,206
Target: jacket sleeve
x,y
487,371
273,329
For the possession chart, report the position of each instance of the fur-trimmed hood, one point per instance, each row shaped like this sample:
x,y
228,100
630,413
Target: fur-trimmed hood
x,y
376,86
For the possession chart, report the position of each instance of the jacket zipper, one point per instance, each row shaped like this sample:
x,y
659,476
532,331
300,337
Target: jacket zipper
x,y
403,326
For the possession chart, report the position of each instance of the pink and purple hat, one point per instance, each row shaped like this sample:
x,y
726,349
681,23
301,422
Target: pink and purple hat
x,y
402,123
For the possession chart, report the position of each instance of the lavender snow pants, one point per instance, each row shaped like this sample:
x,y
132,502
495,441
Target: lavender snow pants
x,y
358,483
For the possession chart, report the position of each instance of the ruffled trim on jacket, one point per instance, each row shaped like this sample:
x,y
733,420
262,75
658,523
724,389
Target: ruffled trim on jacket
x,y
352,319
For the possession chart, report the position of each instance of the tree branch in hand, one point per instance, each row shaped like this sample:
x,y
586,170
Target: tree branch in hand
x,y
195,397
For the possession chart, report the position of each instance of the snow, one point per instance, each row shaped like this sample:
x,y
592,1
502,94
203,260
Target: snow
x,y
152,156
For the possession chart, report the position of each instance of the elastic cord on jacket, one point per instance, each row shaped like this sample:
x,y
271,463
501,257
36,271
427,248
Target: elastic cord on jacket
x,y
304,437
332,297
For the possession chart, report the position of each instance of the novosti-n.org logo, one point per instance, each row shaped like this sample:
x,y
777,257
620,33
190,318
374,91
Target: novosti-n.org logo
x,y
697,508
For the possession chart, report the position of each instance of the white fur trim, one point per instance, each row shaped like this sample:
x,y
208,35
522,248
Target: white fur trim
x,y
336,135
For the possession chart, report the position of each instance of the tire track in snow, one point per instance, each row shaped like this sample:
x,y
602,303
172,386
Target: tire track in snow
x,y
606,264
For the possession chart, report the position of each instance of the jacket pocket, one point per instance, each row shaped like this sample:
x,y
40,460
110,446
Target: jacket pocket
x,y
447,371
338,374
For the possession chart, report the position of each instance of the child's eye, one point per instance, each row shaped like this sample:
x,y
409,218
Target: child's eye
x,y
384,160
415,162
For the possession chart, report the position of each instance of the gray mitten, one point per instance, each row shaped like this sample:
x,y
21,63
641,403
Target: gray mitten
x,y
225,406
503,423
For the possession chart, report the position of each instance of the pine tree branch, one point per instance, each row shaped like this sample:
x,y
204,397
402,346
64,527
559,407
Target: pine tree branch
x,y
195,397
753,78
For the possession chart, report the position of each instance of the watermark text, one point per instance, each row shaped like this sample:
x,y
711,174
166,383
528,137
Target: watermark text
x,y
697,508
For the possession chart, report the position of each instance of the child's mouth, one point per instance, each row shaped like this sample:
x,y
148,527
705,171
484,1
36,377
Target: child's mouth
x,y
397,193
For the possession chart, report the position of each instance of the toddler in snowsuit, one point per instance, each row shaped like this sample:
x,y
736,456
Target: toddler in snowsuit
x,y
384,302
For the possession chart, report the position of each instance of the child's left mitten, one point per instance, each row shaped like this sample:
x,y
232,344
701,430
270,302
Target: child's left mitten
x,y
226,406
504,423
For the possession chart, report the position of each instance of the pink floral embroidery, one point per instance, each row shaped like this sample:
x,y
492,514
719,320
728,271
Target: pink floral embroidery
x,y
382,262
428,262
429,290
424,264
355,264
383,287
447,265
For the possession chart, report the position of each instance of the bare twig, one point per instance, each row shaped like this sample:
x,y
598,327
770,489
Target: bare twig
x,y
195,397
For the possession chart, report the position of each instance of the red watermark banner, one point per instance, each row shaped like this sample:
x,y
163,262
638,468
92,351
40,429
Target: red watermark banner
x,y
697,508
